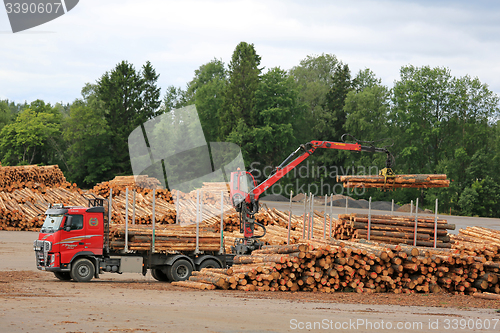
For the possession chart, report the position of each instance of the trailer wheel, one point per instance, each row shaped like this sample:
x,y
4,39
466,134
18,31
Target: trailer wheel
x,y
63,276
180,270
82,270
158,275
209,263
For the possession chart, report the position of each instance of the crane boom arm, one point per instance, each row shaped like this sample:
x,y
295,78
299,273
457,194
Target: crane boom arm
x,y
308,149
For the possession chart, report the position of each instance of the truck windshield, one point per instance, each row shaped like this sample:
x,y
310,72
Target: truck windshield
x,y
52,223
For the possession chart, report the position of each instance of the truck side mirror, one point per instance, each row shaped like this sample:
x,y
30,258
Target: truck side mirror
x,y
69,220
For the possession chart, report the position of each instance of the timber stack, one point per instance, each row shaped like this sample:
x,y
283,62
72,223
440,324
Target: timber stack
x,y
276,223
24,209
32,177
478,241
393,229
167,238
143,212
141,184
210,193
398,181
363,267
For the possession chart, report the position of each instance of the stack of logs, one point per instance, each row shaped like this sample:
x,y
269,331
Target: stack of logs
x,y
143,212
364,267
141,184
478,241
26,191
210,194
18,177
276,223
393,229
24,209
406,181
167,238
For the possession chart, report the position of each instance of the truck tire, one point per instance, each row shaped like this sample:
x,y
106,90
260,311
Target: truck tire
x,y
158,275
63,276
209,263
82,270
180,270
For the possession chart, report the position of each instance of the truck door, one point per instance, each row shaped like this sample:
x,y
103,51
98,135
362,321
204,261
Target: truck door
x,y
94,232
72,241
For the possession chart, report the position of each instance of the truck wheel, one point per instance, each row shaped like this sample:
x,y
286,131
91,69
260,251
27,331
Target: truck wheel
x,y
158,275
82,270
63,276
180,270
209,263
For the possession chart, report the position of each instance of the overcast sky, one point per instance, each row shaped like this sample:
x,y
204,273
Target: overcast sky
x,y
54,61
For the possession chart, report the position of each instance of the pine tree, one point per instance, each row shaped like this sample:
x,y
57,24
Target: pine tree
x,y
244,76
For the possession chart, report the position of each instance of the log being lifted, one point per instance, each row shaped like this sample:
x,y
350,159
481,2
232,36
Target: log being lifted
x,y
413,181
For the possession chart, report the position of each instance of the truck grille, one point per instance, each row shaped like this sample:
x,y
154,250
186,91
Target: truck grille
x,y
42,249
44,246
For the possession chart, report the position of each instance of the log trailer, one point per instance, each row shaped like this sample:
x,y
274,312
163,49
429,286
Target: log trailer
x,y
73,242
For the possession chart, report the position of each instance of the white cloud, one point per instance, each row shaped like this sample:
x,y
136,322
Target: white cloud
x,y
179,36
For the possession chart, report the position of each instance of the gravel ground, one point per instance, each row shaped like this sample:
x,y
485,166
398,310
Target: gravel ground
x,y
34,301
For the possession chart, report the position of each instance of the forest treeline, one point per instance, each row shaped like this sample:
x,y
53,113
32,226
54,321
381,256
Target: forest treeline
x,y
431,121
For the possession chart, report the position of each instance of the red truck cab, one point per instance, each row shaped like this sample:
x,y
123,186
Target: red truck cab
x,y
67,234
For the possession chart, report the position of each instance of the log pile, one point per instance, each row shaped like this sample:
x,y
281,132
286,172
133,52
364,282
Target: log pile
x,y
141,184
142,181
21,209
167,238
399,181
276,223
393,229
36,178
366,267
164,209
478,241
16,177
210,193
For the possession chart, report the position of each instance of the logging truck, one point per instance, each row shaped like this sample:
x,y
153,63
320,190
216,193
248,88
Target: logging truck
x,y
74,243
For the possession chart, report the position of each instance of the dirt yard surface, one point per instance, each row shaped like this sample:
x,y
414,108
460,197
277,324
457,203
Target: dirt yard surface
x,y
34,301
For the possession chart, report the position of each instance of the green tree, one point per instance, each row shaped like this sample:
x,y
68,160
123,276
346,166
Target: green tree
x,y
130,98
335,117
5,114
314,75
239,102
88,136
206,91
276,106
367,120
329,124
442,124
150,93
24,140
420,114
174,98
481,198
